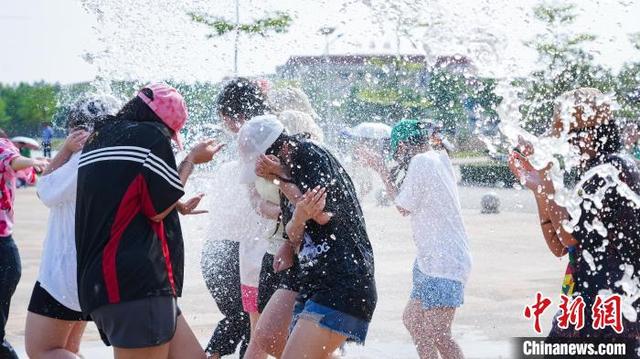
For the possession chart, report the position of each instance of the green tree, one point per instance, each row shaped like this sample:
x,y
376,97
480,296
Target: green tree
x,y
566,66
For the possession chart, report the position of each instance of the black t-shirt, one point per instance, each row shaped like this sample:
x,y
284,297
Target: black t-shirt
x,y
608,234
336,259
127,174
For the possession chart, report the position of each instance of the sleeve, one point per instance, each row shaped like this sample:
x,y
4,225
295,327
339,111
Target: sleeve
x,y
312,168
60,185
8,153
163,185
413,189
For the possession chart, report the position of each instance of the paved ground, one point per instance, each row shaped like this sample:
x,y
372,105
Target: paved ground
x,y
511,263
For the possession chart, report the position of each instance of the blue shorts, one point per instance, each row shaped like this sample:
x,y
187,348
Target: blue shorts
x,y
434,292
353,328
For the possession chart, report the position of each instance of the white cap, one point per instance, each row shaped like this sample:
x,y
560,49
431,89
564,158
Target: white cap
x,y
254,138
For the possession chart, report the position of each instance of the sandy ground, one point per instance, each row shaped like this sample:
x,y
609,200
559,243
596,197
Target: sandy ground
x,y
511,263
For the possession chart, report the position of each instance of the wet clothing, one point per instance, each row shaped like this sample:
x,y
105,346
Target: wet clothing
x,y
140,323
221,272
608,234
429,191
269,192
127,175
8,177
58,270
354,328
436,292
43,303
10,272
336,259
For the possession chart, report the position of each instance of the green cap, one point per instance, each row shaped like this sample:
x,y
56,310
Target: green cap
x,y
404,130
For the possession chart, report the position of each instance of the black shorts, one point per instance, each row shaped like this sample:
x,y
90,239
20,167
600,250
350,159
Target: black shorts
x,y
271,281
44,304
140,323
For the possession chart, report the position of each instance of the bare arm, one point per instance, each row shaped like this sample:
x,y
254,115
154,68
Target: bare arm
x,y
548,230
20,163
201,153
557,215
264,208
72,144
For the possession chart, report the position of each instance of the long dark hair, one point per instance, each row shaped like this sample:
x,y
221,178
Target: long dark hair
x,y
242,97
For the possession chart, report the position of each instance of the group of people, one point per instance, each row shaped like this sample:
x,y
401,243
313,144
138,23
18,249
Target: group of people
x,y
288,259
288,262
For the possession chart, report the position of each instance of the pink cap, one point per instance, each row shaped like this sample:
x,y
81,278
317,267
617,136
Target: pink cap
x,y
169,106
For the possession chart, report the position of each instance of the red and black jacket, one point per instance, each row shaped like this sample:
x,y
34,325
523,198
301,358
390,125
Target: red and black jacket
x,y
127,174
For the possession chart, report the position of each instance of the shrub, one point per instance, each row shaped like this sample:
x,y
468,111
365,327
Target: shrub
x,y
490,174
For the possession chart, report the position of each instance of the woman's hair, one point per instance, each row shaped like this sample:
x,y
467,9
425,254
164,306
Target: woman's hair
x,y
294,140
291,98
3,134
136,110
300,122
242,97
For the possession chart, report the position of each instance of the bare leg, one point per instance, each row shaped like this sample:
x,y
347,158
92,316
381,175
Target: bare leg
x,y
184,344
441,318
75,337
414,322
157,352
273,327
48,338
253,350
310,341
431,331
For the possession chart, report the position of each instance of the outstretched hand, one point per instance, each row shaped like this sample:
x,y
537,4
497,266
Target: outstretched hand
x,y
75,141
204,151
524,171
190,206
39,164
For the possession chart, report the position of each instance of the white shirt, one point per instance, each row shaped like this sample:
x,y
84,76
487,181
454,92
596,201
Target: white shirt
x,y
234,218
58,272
269,192
430,193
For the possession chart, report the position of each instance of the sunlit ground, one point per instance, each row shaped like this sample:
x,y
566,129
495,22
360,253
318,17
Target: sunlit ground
x,y
511,263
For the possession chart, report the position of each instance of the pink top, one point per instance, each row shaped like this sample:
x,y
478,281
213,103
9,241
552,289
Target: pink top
x,y
8,151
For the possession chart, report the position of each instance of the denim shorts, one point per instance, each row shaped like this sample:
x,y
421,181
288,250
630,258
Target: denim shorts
x,y
434,292
353,328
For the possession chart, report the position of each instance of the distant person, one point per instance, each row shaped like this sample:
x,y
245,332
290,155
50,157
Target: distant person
x,y
425,188
47,137
130,249
55,323
10,267
337,291
602,246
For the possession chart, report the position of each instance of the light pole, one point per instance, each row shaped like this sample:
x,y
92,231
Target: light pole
x,y
235,50
327,31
